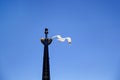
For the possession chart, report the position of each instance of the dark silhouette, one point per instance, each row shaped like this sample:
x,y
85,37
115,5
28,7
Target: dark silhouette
x,y
46,68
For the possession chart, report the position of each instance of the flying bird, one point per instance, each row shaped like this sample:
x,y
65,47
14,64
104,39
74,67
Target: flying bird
x,y
59,38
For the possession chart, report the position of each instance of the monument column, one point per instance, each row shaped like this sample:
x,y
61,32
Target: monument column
x,y
46,67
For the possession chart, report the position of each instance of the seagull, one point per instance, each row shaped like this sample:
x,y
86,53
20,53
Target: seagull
x,y
59,38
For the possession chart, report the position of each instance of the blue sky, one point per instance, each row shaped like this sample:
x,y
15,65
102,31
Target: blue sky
x,y
93,25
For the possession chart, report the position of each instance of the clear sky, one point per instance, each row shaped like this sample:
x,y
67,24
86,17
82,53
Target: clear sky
x,y
93,25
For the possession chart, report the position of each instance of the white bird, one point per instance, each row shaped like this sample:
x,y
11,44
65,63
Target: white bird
x,y
59,38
